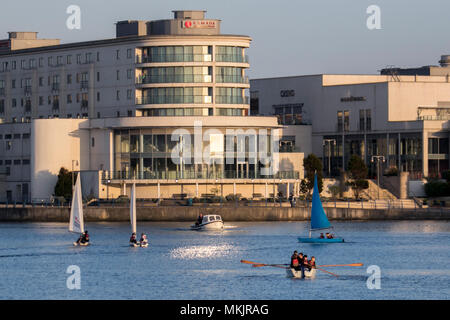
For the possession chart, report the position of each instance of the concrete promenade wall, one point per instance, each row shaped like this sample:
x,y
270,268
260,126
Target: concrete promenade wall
x,y
55,214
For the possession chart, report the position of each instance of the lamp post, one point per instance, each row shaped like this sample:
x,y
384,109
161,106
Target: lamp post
x,y
329,141
378,159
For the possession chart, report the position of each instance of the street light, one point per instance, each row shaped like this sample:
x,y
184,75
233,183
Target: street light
x,y
378,159
329,141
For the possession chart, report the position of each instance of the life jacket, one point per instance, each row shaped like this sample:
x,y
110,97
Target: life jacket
x,y
295,262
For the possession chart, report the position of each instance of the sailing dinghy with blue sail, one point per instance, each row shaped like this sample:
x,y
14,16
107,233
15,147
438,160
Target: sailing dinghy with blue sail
x,y
319,220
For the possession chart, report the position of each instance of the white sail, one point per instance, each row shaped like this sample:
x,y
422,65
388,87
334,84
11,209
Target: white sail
x,y
133,208
76,223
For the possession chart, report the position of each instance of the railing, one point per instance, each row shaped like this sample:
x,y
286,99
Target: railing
x,y
232,58
231,79
186,78
174,58
172,99
84,84
434,118
55,86
232,100
226,174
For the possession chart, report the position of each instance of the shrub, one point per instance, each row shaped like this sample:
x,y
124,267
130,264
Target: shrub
x,y
390,172
436,188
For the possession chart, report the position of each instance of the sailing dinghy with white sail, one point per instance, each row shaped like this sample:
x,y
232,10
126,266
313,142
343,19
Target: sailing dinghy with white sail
x,y
142,244
76,221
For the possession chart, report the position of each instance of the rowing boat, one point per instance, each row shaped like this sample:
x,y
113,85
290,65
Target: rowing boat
x,y
292,273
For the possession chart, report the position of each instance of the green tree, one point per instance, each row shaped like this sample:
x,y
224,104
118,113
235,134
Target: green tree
x,y
63,187
312,165
358,174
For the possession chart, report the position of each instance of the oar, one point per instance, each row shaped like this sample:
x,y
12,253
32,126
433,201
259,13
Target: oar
x,y
342,265
269,265
249,262
327,272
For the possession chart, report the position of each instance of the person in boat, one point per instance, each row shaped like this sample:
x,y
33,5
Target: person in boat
x,y
199,220
329,235
295,262
133,239
306,262
321,236
84,238
143,239
312,263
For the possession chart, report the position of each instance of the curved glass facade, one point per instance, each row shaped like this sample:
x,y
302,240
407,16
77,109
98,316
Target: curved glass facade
x,y
231,54
176,54
230,75
176,95
176,75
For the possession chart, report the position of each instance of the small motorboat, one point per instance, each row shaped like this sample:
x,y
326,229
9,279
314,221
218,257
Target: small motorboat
x,y
209,222
292,273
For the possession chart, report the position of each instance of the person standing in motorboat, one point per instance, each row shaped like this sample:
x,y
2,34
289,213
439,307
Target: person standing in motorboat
x,y
133,239
199,220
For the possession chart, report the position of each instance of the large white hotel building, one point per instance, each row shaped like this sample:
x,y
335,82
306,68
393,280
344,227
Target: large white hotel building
x,y
109,108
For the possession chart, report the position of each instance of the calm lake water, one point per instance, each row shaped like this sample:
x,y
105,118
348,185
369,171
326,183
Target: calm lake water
x,y
414,258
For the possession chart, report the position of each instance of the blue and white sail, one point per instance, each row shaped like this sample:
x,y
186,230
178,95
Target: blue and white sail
x,y
76,222
319,219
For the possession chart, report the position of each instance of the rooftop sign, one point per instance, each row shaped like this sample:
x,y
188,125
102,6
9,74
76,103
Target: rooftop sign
x,y
199,24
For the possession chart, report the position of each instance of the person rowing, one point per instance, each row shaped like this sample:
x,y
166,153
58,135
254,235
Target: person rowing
x,y
295,262
312,263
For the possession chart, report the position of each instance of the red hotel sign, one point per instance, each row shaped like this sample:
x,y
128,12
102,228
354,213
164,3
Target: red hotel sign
x,y
204,24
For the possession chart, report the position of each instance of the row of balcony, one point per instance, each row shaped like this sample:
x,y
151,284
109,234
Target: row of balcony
x,y
189,78
191,58
211,175
176,99
27,90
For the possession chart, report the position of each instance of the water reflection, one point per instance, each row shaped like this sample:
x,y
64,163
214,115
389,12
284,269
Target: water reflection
x,y
201,251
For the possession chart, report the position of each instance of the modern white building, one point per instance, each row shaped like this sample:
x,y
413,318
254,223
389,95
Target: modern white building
x,y
401,116
131,110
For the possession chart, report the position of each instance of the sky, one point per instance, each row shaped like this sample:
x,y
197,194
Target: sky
x,y
295,37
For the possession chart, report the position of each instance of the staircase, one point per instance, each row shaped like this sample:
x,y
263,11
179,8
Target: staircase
x,y
374,193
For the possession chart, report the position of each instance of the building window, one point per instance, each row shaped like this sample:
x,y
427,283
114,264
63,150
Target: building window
x,y
69,98
17,162
98,56
129,94
13,65
130,74
69,59
98,114
26,136
368,120
41,100
117,54
130,113
98,76
41,62
98,96
118,95
346,120
13,84
50,61
14,103
93,142
118,75
129,53
26,161
41,81
79,58
69,79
